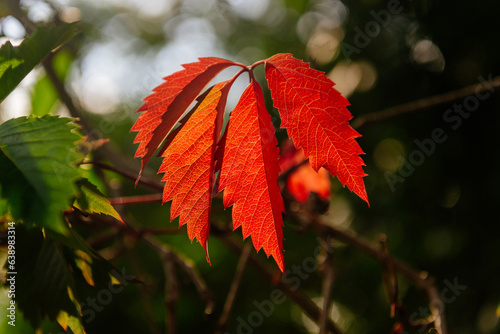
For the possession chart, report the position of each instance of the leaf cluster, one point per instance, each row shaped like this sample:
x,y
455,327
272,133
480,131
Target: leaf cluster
x,y
41,182
199,160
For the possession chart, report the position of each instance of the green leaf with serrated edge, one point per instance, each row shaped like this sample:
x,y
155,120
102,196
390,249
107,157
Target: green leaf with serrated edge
x,y
90,200
17,62
37,169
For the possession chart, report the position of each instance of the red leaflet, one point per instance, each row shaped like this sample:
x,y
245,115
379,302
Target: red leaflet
x,y
314,114
162,109
188,165
316,118
250,171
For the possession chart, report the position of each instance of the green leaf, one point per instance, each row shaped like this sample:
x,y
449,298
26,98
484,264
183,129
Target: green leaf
x,y
44,282
37,168
45,96
91,200
53,275
94,269
17,62
4,207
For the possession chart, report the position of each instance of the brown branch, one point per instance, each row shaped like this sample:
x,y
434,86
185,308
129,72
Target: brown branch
x,y
163,250
233,290
139,199
423,103
146,294
328,269
18,13
105,151
145,181
161,230
419,279
30,26
188,267
75,111
171,293
307,305
389,276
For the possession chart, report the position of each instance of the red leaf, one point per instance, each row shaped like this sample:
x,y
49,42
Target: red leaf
x,y
188,165
316,118
249,174
304,180
163,109
314,114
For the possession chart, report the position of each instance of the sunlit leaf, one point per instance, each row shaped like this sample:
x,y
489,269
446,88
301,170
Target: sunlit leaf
x,y
245,157
37,168
90,200
17,62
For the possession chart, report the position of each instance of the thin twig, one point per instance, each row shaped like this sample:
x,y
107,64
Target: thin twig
x,y
389,276
161,230
17,12
74,110
145,181
233,290
424,103
307,305
63,93
146,294
328,282
163,250
419,279
139,199
171,293
188,267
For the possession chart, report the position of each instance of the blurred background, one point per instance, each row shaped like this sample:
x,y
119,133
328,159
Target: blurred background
x,y
434,208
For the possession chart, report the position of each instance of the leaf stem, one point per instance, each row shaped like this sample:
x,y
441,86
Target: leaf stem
x,y
257,63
